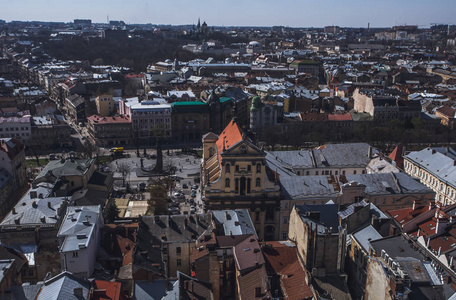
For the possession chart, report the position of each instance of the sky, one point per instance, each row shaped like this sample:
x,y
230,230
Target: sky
x,y
293,13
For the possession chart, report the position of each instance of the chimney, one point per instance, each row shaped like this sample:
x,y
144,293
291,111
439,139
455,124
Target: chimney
x,y
369,154
433,151
440,226
33,194
454,163
78,292
34,205
415,202
49,204
14,211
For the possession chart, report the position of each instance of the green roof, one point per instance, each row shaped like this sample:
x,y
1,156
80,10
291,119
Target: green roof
x,y
224,99
190,107
186,103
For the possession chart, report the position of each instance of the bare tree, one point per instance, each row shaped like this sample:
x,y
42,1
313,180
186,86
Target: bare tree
x,y
124,170
88,148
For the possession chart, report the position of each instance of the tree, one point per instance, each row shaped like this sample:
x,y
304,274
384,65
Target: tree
x,y
158,202
111,212
124,169
88,148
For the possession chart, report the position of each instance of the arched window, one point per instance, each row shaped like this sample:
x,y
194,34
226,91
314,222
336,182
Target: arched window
x,y
211,151
227,168
243,150
227,183
258,168
258,182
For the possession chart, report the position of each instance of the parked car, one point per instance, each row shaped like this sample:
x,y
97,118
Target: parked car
x,y
193,194
194,187
185,186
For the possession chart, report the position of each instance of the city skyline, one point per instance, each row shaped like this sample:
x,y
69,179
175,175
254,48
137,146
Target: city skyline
x,y
351,13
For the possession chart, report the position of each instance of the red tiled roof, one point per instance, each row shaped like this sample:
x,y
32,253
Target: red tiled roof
x,y
447,111
340,117
442,242
283,259
396,155
200,249
106,290
7,145
313,117
230,136
427,228
404,215
248,254
294,282
134,76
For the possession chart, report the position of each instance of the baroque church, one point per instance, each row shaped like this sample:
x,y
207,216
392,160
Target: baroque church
x,y
235,176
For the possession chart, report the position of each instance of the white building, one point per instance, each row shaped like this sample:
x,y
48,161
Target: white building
x,y
435,167
79,238
16,127
147,115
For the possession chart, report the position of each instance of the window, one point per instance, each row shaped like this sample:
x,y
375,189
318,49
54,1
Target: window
x,y
178,250
316,172
307,173
343,172
286,204
354,172
237,168
75,254
227,183
284,236
249,168
227,168
336,172
258,168
243,150
285,220
257,216
179,262
258,182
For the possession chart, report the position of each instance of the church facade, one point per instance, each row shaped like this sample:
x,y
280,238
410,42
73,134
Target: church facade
x,y
235,176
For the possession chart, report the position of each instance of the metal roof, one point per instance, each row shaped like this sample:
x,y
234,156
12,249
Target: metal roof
x,y
439,161
235,222
78,227
35,211
365,236
305,187
63,286
389,183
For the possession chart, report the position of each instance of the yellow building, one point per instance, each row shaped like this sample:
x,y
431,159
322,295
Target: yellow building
x,y
235,176
105,105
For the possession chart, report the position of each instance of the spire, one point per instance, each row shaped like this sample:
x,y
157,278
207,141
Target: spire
x,y
199,24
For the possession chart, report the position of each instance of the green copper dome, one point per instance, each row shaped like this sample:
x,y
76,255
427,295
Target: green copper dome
x,y
256,103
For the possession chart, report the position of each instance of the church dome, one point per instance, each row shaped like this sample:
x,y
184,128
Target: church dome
x,y
256,103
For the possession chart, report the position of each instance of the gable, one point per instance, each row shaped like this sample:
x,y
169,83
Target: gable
x,y
243,148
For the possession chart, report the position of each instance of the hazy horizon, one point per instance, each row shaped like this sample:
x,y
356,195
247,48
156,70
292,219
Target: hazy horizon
x,y
293,13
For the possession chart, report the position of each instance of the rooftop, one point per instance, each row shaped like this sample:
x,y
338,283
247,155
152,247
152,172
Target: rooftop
x,y
78,226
